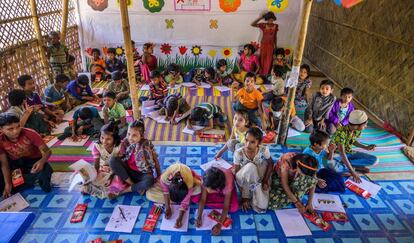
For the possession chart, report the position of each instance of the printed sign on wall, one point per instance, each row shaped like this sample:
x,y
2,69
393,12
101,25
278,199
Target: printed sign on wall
x,y
192,5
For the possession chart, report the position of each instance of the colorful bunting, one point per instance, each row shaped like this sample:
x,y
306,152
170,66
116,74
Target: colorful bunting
x,y
166,48
226,52
182,49
229,5
170,23
153,5
212,53
196,50
213,24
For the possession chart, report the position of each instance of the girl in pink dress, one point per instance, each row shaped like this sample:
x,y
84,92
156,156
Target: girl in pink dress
x,y
268,42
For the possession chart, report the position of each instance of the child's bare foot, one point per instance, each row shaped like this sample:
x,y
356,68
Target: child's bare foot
x,y
246,204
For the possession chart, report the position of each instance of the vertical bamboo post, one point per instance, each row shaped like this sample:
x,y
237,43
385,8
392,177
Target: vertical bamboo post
x,y
410,139
129,56
297,60
36,25
65,12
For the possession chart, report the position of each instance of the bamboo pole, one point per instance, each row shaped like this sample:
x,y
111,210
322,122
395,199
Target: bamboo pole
x,y
65,13
410,139
39,37
129,56
297,60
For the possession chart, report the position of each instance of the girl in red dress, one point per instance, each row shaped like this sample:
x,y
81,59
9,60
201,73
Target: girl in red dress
x,y
268,42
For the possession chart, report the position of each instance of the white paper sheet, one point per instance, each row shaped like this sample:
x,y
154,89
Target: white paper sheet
x,y
215,132
69,142
155,115
189,84
183,116
168,224
293,133
208,223
88,170
268,87
205,85
15,203
222,88
191,131
60,128
216,163
90,147
123,218
148,103
77,179
327,202
61,179
145,87
372,188
292,222
69,116
52,142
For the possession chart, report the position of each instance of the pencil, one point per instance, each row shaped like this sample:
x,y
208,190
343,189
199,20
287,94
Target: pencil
x,y
122,213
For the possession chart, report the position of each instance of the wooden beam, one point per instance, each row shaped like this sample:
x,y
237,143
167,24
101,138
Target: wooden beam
x,y
410,139
130,60
36,25
297,60
65,13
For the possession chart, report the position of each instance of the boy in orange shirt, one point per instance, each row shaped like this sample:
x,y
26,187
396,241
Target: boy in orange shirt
x,y
97,66
250,100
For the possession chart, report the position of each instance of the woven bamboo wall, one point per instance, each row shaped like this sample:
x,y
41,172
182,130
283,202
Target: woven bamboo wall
x,y
19,51
369,48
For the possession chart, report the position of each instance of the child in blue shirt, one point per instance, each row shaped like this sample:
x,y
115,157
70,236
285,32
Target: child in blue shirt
x,y
80,91
56,93
86,121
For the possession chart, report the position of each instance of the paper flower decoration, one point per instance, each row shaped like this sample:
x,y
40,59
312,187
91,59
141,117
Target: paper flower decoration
x,y
277,5
212,53
153,5
166,48
288,51
213,24
182,50
196,50
226,52
89,51
229,5
119,51
98,5
255,44
170,23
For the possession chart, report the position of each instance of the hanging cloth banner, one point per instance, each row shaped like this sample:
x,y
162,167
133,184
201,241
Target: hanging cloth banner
x,y
153,5
229,5
277,6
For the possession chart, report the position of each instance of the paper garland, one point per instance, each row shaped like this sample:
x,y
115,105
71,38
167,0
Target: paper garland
x,y
277,6
166,48
98,5
213,24
153,5
169,23
226,52
196,50
229,5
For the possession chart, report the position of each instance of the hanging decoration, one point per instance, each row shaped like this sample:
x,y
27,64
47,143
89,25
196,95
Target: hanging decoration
x,y
166,48
169,23
229,5
129,3
226,52
192,5
98,5
119,51
213,24
182,49
277,6
212,53
153,6
288,51
196,50
256,45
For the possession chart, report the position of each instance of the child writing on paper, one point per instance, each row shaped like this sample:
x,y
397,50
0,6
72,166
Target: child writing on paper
x,y
120,87
80,91
218,191
138,162
90,123
294,176
177,184
328,180
198,75
238,133
24,149
341,109
223,76
253,167
107,146
206,115
56,93
158,88
174,105
173,75
115,112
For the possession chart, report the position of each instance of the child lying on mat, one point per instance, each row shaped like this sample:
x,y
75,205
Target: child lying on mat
x,y
22,149
90,123
173,106
173,75
206,115
198,75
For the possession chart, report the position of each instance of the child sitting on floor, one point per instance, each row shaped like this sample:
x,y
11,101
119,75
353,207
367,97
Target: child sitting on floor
x,y
198,75
120,87
339,114
52,114
278,85
56,93
173,75
28,116
319,107
248,62
80,91
277,108
113,64
177,184
238,133
114,112
223,76
148,58
158,88
174,105
303,89
22,149
206,115
294,176
253,168
249,99
280,60
217,191
106,147
90,124
136,165
328,180
97,66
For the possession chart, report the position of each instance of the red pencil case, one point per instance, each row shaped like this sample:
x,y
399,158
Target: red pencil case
x,y
152,218
318,221
78,213
331,216
359,191
215,215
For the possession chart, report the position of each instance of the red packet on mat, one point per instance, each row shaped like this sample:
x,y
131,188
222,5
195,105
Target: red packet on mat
x,y
152,218
215,215
17,177
78,213
359,191
338,217
318,221
98,240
